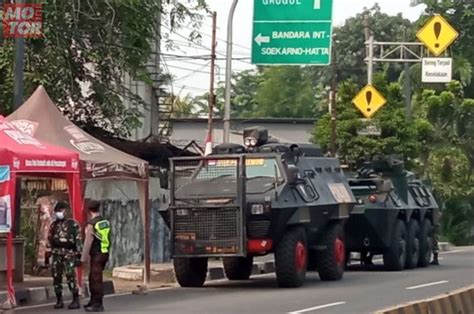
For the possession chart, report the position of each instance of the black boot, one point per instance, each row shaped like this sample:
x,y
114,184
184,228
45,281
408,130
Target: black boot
x,y
435,260
95,308
75,302
59,301
89,304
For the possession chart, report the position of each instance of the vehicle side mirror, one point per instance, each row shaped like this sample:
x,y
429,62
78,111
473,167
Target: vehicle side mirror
x,y
293,174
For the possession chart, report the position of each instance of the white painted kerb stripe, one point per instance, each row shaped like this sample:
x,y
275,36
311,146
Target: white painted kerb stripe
x,y
317,307
427,285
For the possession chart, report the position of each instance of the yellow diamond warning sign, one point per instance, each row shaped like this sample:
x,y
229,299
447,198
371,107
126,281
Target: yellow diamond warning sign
x,y
437,34
369,101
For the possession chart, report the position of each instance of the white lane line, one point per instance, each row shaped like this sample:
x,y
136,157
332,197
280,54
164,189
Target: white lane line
x,y
317,307
427,285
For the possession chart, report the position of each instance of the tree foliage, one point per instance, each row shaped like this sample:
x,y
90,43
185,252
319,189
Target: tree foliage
x,y
88,46
397,135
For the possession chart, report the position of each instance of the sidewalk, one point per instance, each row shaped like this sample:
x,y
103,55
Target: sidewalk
x,y
37,290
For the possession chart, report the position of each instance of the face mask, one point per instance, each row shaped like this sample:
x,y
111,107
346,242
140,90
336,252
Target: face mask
x,y
59,215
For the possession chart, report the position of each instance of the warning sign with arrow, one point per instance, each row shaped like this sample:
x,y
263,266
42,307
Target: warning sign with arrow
x,y
369,100
437,34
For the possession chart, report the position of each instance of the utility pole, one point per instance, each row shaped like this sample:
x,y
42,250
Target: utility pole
x,y
332,97
155,99
212,98
18,91
228,72
18,86
370,50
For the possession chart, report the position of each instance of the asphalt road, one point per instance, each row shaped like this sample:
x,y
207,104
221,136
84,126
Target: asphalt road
x,y
360,291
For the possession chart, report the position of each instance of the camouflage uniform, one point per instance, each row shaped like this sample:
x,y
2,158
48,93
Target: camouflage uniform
x,y
66,244
435,236
435,239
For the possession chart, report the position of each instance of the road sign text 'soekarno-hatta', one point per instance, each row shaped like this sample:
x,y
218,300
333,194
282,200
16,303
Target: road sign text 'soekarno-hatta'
x,y
292,32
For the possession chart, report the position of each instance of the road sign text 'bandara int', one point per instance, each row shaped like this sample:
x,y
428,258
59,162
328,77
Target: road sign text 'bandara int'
x,y
292,32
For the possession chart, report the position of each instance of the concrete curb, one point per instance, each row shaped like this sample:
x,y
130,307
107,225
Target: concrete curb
x,y
454,302
167,275
38,295
445,246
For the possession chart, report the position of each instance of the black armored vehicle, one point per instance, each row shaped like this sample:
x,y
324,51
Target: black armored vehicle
x,y
394,216
264,197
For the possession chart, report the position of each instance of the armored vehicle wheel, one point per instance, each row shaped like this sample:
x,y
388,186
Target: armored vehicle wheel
x,y
413,244
238,268
291,258
190,272
331,262
426,243
395,256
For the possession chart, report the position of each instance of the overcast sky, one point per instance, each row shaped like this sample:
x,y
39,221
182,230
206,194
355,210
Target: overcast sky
x,y
193,78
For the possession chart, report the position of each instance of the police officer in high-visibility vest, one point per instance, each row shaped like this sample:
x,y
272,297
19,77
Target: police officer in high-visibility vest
x,y
96,251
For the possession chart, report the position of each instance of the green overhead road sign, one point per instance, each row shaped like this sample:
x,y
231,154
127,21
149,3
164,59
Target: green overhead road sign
x,y
292,32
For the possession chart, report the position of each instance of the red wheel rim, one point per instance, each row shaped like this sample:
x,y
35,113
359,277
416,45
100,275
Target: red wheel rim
x,y
300,256
340,251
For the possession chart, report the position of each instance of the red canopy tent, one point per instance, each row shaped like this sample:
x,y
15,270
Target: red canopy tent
x,y
23,155
40,118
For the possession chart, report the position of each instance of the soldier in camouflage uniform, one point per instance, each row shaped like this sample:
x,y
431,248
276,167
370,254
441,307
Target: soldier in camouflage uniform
x,y
435,246
435,236
66,244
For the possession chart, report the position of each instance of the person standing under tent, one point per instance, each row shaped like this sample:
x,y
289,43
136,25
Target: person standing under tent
x,y
65,240
96,252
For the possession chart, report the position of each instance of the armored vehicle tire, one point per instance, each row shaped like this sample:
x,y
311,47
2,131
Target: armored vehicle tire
x,y
291,258
238,268
426,243
331,262
413,244
190,272
395,255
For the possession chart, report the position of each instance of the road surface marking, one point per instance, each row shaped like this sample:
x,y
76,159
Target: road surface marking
x,y
426,285
317,307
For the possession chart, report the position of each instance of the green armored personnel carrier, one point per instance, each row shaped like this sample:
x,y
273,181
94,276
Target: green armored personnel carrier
x,y
394,216
264,197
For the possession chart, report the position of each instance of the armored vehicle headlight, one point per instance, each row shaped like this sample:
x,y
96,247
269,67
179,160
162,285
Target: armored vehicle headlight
x,y
373,198
257,209
182,212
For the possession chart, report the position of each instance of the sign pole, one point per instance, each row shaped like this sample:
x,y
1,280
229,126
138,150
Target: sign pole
x,y
333,98
370,61
228,72
407,85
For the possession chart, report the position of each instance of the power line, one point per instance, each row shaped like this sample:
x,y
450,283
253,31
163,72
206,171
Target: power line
x,y
197,44
192,87
190,44
192,73
219,39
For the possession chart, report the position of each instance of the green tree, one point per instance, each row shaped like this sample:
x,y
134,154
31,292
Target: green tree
x,y
87,47
285,92
349,43
448,159
397,135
